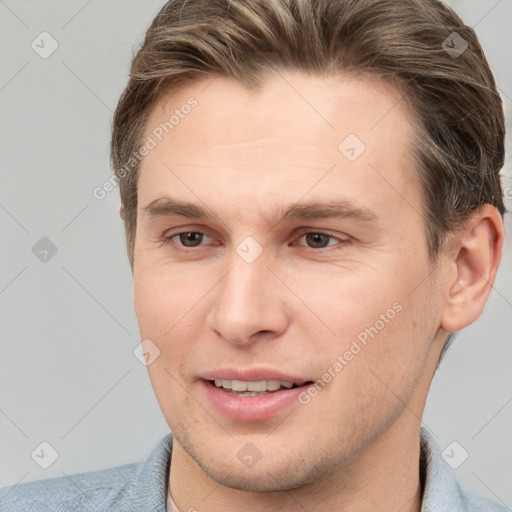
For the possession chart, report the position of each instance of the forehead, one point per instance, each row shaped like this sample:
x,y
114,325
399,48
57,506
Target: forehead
x,y
299,134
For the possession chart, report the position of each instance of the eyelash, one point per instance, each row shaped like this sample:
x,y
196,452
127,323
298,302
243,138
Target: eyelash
x,y
167,240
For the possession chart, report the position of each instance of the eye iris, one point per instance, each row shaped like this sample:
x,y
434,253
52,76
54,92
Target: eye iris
x,y
190,236
314,238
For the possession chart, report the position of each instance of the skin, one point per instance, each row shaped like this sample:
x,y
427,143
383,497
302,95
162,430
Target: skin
x,y
300,304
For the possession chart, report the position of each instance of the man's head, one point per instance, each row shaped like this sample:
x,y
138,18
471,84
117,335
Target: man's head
x,y
337,167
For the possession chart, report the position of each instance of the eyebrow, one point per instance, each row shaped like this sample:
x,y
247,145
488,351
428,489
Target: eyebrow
x,y
166,206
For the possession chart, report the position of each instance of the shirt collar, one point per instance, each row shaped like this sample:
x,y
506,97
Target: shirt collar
x,y
149,491
441,491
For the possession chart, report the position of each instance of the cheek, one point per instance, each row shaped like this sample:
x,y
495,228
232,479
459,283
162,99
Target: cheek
x,y
165,317
351,302
383,332
372,374
160,301
170,310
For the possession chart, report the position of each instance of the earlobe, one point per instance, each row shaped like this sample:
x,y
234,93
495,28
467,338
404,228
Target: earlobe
x,y
475,255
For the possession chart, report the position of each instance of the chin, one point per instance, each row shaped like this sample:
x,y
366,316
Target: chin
x,y
278,472
252,480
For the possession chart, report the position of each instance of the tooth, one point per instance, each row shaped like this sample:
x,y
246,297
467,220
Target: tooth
x,y
238,385
273,385
260,385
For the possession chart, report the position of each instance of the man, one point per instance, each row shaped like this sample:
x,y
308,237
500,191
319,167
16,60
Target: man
x,y
312,206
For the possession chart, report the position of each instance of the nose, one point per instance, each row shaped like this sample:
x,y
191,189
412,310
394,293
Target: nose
x,y
249,303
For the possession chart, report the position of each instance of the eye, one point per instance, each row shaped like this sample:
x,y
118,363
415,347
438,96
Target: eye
x,y
190,239
319,239
186,238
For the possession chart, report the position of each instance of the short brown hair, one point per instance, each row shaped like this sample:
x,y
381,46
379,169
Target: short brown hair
x,y
459,147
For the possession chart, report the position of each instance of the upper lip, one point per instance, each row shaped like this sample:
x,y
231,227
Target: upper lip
x,y
252,375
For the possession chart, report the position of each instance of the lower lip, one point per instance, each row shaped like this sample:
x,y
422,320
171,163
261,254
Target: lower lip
x,y
251,408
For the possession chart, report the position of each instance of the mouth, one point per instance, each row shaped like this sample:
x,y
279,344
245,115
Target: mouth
x,y
254,388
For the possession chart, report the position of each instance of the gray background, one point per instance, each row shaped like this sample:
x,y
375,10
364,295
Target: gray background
x,y
68,375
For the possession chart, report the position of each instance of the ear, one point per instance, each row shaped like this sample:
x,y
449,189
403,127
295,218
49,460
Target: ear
x,y
122,212
474,255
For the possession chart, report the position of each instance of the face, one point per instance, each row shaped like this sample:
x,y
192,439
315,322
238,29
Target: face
x,y
280,242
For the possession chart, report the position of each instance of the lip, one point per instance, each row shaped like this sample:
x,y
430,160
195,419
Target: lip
x,y
253,374
252,408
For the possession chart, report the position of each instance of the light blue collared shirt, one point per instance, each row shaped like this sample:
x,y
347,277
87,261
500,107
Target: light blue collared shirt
x,y
142,487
